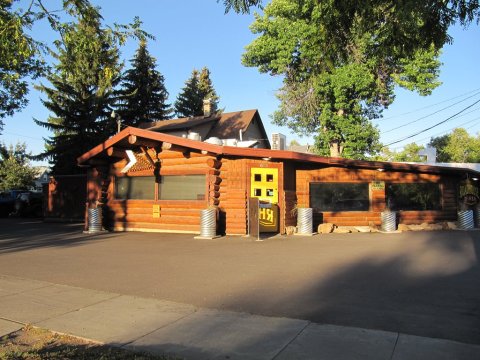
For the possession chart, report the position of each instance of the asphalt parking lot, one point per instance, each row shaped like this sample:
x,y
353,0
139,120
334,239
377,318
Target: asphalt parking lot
x,y
419,283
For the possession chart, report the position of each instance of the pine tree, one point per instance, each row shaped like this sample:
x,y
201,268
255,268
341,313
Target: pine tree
x,y
81,95
143,94
197,88
207,90
190,100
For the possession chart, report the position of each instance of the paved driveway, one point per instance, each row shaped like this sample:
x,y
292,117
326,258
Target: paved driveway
x,y
424,283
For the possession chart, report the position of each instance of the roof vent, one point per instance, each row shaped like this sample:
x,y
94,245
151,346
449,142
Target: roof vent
x,y
194,136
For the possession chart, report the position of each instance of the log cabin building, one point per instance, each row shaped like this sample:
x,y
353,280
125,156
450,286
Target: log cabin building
x,y
159,177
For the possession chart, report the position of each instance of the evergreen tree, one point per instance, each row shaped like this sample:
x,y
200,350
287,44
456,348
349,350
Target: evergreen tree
x,y
207,90
197,88
143,94
190,100
81,95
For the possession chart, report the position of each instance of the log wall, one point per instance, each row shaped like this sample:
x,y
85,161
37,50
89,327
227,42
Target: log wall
x,y
377,197
235,190
163,215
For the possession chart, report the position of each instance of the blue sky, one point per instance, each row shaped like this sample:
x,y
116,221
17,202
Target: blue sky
x,y
196,33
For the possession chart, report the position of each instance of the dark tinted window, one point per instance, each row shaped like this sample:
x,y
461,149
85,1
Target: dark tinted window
x,y
339,196
414,196
135,188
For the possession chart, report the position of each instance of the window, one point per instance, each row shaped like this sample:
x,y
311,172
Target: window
x,y
414,196
135,188
258,177
182,187
340,196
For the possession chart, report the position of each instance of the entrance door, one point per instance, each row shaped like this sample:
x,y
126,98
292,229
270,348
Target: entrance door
x,y
264,186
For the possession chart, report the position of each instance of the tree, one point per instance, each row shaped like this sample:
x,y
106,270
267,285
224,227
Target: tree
x,y
197,88
21,54
15,169
190,101
206,89
143,96
458,146
81,95
18,59
408,154
240,6
342,59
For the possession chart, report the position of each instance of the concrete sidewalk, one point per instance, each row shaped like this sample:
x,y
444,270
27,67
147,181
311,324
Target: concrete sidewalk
x,y
183,330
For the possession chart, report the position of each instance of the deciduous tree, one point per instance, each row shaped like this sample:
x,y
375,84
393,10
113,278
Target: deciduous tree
x,y
341,61
15,169
457,146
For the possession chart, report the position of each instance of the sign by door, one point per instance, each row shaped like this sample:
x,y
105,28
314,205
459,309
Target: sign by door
x,y
264,187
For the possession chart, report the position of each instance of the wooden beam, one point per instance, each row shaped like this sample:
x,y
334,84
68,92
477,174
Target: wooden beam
x,y
115,152
135,140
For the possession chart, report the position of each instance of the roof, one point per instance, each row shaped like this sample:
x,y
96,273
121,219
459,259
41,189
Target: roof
x,y
223,126
123,140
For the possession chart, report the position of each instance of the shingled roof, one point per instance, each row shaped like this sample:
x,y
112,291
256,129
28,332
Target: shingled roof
x,y
222,126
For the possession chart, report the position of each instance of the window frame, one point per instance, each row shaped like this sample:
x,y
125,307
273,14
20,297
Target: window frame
x,y
394,208
365,183
156,184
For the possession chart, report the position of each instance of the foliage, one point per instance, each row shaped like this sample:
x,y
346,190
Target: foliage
x,y
143,95
342,59
189,101
408,154
240,6
206,89
15,169
81,95
21,54
458,146
197,88
18,58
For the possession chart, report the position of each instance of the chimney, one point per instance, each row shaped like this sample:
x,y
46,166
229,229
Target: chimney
x,y
207,107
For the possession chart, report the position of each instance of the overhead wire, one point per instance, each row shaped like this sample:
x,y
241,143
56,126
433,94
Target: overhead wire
x,y
431,114
435,125
428,106
446,131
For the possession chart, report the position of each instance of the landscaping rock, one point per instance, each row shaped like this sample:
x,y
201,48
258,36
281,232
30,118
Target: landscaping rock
x,y
342,230
325,228
436,227
363,229
416,227
403,227
451,225
290,230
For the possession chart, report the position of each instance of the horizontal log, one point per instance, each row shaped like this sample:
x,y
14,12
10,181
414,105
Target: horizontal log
x,y
161,220
214,163
184,161
158,226
135,140
115,152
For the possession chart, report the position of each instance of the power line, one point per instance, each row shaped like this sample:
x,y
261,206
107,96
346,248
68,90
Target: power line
x,y
428,106
426,116
433,126
446,131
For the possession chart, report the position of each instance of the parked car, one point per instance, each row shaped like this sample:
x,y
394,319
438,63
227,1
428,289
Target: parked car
x,y
7,201
28,203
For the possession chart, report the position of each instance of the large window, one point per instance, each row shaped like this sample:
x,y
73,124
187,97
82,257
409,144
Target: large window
x,y
135,188
414,196
182,187
339,196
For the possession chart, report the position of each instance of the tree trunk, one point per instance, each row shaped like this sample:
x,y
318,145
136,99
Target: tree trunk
x,y
335,148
